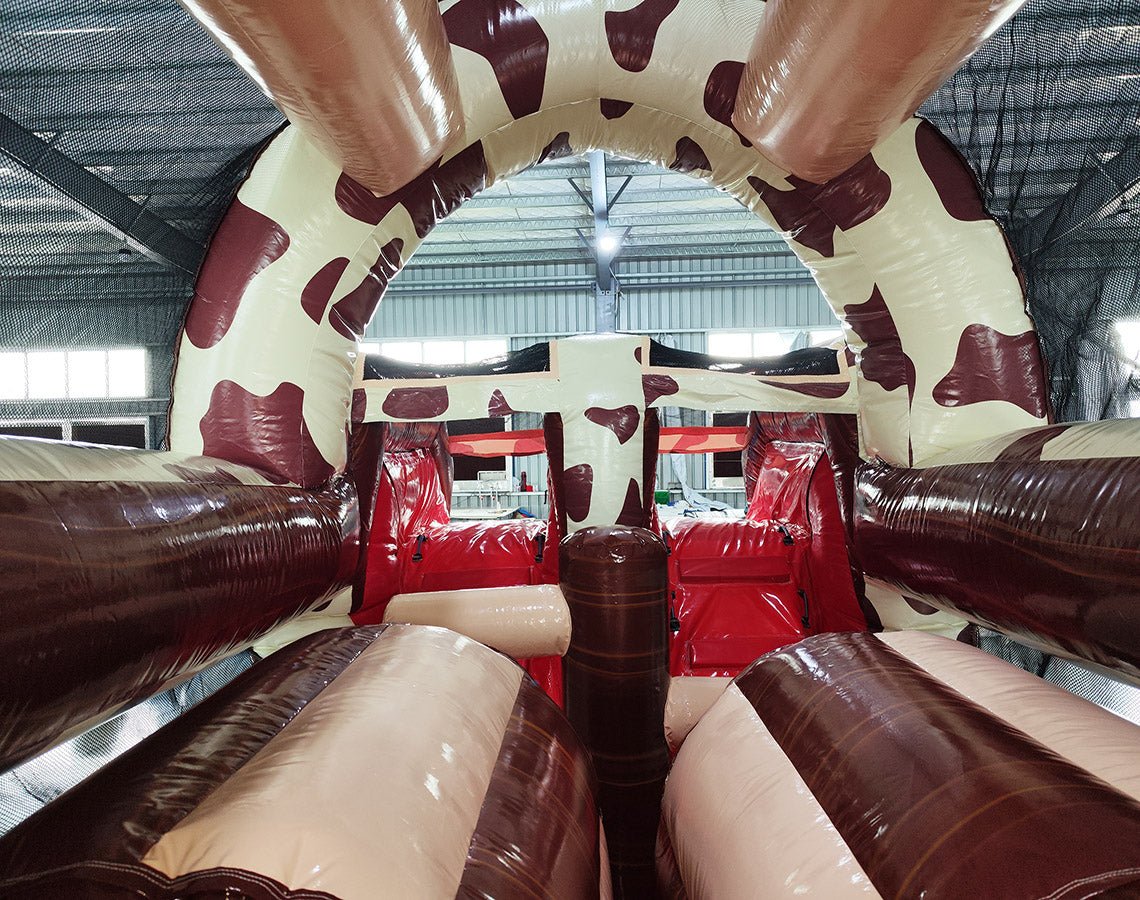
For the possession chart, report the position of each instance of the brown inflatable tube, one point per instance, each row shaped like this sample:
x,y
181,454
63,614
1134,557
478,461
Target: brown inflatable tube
x,y
827,80
371,84
617,681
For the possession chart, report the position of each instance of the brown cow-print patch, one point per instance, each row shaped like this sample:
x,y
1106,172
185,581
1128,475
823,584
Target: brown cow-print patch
x,y
315,296
720,94
352,312
622,421
825,390
505,34
632,33
614,109
245,243
267,433
416,403
428,198
656,386
690,157
558,148
213,475
359,405
578,485
1029,447
632,509
923,609
810,213
949,174
990,365
498,405
883,361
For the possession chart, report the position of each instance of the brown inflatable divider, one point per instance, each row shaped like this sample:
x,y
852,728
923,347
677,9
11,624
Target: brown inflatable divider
x,y
111,590
358,78
617,682
537,833
1049,554
464,780
928,789
119,814
827,80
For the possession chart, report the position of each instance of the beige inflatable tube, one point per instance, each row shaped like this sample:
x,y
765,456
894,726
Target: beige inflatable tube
x,y
524,621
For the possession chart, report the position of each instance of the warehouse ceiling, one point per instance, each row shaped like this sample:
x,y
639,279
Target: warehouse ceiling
x,y
135,93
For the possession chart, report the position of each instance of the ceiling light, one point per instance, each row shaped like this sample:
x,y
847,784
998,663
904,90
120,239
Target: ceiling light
x,y
607,242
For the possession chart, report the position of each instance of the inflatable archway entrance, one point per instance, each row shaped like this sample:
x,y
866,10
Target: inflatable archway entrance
x,y
900,244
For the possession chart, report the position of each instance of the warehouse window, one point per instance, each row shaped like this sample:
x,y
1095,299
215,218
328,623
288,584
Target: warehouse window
x,y
750,344
445,352
822,337
117,373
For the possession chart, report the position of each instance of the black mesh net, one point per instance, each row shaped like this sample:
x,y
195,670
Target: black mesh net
x,y
1048,116
137,95
1097,687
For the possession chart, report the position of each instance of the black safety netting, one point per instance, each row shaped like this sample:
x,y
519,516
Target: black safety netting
x,y
1096,686
1047,114
144,101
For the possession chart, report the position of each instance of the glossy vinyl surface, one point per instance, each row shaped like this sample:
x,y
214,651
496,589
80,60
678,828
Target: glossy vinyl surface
x,y
464,555
120,813
734,590
617,682
1044,549
412,495
484,787
111,590
826,81
357,77
900,243
797,484
538,832
929,790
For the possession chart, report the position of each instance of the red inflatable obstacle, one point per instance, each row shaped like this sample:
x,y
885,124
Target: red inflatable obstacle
x,y
736,590
414,547
741,588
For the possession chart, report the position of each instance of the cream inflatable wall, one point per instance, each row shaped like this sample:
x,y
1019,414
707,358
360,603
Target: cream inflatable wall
x,y
917,272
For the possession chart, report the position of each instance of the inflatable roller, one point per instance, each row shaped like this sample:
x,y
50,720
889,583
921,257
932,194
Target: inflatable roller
x,y
388,761
900,765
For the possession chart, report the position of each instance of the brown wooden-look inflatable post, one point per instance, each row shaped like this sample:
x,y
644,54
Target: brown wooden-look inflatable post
x,y
617,680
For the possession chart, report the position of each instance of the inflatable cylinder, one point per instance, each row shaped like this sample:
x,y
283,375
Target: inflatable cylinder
x,y
828,80
617,681
358,78
459,779
523,621
113,589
